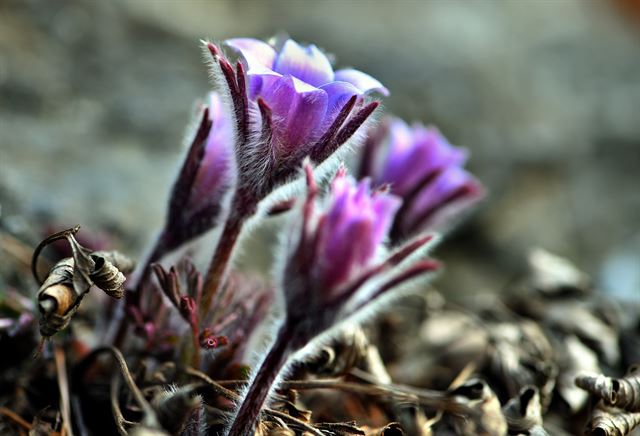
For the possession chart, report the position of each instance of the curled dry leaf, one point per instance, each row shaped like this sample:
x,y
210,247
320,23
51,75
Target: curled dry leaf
x,y
70,279
485,416
522,355
576,358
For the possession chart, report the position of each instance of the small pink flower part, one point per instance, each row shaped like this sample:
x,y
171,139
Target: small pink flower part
x,y
210,341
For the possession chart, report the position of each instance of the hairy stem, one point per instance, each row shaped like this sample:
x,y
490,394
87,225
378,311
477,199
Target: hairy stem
x,y
243,205
219,265
247,416
195,337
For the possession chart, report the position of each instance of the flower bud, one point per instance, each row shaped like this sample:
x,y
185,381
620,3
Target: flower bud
x,y
425,170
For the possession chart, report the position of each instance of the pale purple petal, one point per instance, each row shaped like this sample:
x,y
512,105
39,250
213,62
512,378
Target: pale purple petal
x,y
261,79
298,110
339,93
308,64
360,80
257,54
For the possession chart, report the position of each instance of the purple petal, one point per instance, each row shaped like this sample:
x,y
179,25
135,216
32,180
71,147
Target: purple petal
x,y
339,93
298,110
261,79
356,223
385,207
414,154
360,80
256,53
307,64
436,194
215,170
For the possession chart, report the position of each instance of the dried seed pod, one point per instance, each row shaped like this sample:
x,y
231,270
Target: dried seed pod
x,y
623,393
70,279
608,421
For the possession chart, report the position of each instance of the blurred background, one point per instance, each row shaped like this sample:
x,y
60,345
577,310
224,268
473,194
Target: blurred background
x,y
95,97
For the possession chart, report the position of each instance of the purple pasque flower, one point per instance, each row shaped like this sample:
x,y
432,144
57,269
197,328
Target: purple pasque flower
x,y
339,248
425,170
335,258
350,232
289,103
207,174
300,87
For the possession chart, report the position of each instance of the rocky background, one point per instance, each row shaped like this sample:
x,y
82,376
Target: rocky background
x,y
95,97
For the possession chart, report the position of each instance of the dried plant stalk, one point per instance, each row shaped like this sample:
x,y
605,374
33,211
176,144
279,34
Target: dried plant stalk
x,y
607,421
478,397
623,393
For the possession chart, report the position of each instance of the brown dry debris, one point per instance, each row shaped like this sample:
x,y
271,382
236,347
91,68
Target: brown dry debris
x,y
529,363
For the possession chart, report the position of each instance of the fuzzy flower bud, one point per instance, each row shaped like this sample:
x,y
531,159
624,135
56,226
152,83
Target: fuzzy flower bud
x,y
198,194
425,170
342,240
206,176
338,251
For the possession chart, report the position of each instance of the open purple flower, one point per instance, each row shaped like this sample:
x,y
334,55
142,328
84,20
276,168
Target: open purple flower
x,y
333,271
289,103
423,168
301,89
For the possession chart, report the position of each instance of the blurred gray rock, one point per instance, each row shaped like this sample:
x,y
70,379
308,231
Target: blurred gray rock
x,y
96,95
